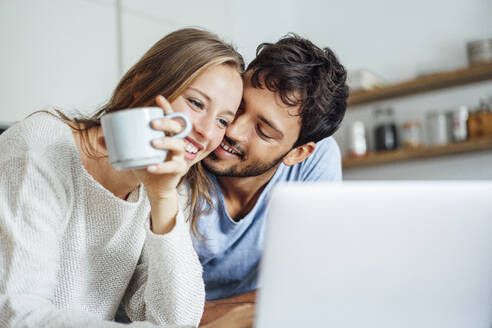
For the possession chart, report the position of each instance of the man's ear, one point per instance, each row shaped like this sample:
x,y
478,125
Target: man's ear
x,y
299,154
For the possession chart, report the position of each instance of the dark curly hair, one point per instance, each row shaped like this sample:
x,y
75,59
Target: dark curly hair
x,y
305,75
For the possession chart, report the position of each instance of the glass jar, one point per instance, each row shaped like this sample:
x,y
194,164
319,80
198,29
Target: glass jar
x,y
457,124
385,132
437,129
357,140
412,134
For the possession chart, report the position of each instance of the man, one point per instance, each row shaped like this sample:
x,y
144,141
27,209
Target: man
x,y
294,99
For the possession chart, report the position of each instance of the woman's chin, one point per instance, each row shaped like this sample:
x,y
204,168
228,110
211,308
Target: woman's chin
x,y
192,159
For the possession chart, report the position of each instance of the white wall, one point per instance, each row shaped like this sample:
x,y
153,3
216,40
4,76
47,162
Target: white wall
x,y
258,21
243,24
64,52
145,22
397,39
55,53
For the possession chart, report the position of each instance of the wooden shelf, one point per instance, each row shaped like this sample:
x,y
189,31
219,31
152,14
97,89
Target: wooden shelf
x,y
417,153
423,84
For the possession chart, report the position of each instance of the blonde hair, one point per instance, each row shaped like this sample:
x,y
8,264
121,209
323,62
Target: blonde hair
x,y
168,68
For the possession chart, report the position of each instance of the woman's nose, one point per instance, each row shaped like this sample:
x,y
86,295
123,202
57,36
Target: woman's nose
x,y
205,127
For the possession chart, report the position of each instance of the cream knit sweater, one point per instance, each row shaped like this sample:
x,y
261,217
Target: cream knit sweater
x,y
70,250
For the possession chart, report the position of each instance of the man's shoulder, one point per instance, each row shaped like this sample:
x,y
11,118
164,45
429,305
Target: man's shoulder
x,y
326,147
324,164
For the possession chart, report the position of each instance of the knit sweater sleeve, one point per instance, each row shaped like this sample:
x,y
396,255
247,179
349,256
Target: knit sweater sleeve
x,y
167,287
32,220
34,210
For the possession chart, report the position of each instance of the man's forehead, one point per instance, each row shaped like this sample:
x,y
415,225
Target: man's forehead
x,y
268,107
252,95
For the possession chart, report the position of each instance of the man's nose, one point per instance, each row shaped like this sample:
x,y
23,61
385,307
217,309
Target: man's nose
x,y
238,129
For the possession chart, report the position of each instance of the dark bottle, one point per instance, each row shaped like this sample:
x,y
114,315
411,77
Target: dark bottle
x,y
385,132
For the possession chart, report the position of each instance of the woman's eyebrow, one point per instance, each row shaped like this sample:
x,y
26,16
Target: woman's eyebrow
x,y
201,92
228,111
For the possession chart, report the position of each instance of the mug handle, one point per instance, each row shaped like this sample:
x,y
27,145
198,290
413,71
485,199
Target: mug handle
x,y
187,127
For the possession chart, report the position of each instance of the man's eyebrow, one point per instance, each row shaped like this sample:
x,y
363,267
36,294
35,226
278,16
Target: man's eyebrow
x,y
201,92
271,125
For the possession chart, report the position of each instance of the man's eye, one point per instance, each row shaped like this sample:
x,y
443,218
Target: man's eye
x,y
195,103
261,134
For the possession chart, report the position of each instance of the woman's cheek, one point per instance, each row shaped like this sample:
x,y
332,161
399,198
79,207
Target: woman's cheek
x,y
217,139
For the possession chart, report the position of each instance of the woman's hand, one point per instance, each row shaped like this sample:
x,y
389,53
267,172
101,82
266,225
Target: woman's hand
x,y
161,179
239,317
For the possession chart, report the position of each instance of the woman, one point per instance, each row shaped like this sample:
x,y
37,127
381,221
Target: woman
x,y
77,235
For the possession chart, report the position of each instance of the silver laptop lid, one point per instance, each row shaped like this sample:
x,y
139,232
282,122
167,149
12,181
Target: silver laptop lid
x,y
396,254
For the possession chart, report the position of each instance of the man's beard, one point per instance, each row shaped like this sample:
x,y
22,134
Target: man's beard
x,y
251,170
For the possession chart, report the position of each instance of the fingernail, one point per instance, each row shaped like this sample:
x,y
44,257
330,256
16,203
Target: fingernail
x,y
152,168
157,142
161,97
157,122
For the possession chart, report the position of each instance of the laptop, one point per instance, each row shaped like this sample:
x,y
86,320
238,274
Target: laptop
x,y
378,254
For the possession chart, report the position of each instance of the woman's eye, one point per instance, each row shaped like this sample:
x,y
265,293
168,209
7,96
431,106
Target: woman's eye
x,y
195,103
223,123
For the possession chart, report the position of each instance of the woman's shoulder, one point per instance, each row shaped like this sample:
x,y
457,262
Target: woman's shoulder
x,y
42,137
34,168
41,125
40,133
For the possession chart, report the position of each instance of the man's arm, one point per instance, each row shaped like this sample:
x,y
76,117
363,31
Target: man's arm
x,y
217,308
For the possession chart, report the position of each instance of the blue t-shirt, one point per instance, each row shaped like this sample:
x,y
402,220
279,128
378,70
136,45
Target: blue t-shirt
x,y
231,250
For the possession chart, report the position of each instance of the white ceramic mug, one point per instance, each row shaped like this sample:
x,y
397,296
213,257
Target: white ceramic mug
x,y
128,136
